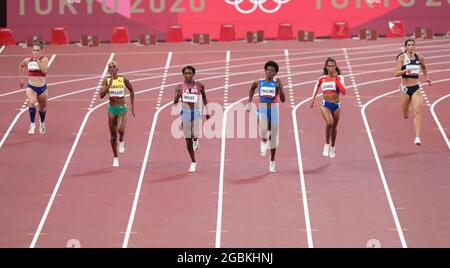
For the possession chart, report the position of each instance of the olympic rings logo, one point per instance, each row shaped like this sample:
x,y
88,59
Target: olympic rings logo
x,y
256,4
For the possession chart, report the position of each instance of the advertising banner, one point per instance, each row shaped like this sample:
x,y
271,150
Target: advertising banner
x,y
99,17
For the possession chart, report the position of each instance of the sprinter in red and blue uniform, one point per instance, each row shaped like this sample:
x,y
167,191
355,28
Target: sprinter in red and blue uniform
x,y
332,85
36,89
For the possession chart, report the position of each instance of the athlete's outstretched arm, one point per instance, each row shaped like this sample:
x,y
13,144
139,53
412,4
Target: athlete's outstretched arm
x,y
131,90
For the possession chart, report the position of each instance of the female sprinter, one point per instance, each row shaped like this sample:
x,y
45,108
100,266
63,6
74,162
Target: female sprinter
x,y
36,89
269,90
332,84
189,92
114,85
408,67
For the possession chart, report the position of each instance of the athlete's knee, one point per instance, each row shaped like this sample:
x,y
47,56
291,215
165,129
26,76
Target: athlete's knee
x,y
32,103
417,111
329,124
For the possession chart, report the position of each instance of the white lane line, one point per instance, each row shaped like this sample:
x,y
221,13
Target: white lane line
x,y
100,82
164,78
63,171
425,97
144,165
352,77
141,177
377,159
227,78
289,78
221,173
51,60
436,119
380,169
301,174
66,164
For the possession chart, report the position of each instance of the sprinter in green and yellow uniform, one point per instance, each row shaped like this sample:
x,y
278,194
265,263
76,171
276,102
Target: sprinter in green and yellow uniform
x,y
114,85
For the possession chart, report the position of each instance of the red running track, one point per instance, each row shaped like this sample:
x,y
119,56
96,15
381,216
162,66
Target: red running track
x,y
347,203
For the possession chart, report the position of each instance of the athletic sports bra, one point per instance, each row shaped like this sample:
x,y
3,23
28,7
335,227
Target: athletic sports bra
x,y
330,85
190,93
117,89
413,65
268,91
33,68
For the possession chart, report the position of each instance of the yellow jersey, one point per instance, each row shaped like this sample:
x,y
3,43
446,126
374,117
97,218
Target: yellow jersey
x,y
117,89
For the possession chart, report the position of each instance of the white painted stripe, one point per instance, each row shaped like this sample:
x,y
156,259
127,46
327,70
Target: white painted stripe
x,y
242,65
51,60
302,175
380,168
221,174
227,73
141,176
289,75
165,74
436,119
63,171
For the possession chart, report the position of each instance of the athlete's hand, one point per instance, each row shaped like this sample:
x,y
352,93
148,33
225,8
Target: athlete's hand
x,y
429,81
132,112
109,84
208,116
248,107
22,84
312,104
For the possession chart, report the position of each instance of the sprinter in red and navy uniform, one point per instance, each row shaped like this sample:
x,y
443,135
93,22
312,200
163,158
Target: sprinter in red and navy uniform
x,y
270,90
36,89
191,93
408,67
332,85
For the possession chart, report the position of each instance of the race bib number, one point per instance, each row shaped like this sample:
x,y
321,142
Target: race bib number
x,y
329,86
190,98
33,66
413,69
268,91
116,93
